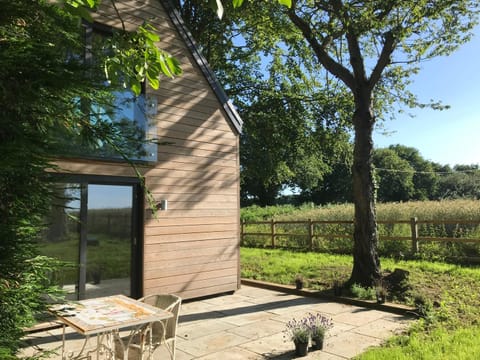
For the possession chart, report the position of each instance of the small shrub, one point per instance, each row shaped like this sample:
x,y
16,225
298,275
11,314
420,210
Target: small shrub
x,y
362,293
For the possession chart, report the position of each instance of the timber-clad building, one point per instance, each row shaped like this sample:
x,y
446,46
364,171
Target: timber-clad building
x,y
190,245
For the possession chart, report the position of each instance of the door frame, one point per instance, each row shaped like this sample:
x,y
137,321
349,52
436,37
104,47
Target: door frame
x,y
136,242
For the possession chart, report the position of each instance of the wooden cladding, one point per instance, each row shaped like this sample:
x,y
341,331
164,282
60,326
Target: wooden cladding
x,y
192,249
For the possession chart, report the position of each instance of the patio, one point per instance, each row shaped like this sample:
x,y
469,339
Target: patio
x,y
249,325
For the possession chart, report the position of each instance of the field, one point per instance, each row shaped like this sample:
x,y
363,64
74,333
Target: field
x,y
444,294
451,227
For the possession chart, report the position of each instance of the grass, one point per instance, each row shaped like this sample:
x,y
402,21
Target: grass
x,y
451,304
438,344
111,255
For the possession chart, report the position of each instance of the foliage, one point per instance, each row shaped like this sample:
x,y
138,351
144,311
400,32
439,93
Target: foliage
x,y
294,113
462,182
135,57
143,62
257,213
36,91
318,324
48,94
20,302
294,125
358,291
310,326
395,182
372,48
298,330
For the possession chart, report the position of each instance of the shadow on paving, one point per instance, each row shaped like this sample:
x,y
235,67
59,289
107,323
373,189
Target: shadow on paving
x,y
216,314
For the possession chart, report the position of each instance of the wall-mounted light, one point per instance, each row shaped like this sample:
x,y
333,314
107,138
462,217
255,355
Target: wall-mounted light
x,y
162,205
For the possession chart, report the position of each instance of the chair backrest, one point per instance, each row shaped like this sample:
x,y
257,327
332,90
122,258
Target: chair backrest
x,y
167,302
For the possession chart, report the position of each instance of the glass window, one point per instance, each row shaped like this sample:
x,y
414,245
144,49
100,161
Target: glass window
x,y
128,120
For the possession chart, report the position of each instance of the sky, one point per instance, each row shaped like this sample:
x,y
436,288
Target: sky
x,y
450,136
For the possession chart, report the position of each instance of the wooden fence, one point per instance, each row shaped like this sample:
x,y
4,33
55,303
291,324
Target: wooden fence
x,y
310,234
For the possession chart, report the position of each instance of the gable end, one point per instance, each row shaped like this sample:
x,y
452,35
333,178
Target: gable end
x,y
187,37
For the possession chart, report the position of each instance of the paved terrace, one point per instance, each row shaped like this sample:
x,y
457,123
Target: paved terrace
x,y
249,325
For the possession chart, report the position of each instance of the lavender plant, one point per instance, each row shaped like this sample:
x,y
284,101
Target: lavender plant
x,y
318,324
298,330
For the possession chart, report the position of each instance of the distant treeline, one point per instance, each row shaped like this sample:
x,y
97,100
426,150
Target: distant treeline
x,y
401,174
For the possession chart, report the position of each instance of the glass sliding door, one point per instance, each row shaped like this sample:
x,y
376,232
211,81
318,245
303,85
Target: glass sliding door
x,y
109,240
93,228
61,240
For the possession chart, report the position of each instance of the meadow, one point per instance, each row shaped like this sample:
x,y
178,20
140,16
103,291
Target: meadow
x,y
448,230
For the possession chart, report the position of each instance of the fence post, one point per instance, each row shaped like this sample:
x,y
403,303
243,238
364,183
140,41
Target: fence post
x,y
414,227
310,234
272,228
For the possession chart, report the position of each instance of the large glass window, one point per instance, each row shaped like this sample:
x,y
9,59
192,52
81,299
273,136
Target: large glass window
x,y
118,124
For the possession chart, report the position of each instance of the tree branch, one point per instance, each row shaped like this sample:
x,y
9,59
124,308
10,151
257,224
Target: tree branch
x,y
383,60
118,14
325,59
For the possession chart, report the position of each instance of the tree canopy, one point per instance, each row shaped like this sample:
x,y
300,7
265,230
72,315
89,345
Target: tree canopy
x,y
372,48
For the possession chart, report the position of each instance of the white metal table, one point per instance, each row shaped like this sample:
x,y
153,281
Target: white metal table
x,y
104,317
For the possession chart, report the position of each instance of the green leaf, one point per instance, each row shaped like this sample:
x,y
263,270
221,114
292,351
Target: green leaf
x,y
150,35
287,3
174,65
153,80
79,11
237,3
136,87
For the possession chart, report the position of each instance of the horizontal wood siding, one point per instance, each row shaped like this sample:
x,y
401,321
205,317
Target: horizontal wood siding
x,y
192,249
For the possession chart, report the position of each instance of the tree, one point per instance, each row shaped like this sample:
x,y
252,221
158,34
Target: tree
x,y
44,87
394,176
373,47
424,178
461,182
293,130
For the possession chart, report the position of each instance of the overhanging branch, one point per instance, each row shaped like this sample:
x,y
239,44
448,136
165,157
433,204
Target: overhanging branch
x,y
325,59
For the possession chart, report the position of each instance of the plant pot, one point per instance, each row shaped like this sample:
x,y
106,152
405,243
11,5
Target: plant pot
x,y
301,348
299,284
96,277
317,342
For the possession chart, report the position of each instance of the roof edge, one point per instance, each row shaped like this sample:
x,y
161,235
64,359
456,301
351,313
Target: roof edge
x,y
217,88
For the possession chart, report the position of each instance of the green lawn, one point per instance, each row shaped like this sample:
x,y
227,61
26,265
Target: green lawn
x,y
451,294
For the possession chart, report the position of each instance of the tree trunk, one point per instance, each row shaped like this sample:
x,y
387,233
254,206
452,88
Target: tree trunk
x,y
366,264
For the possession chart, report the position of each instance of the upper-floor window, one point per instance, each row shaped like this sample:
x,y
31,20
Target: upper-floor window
x,y
119,124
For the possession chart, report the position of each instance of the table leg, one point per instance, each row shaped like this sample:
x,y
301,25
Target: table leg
x,y
63,341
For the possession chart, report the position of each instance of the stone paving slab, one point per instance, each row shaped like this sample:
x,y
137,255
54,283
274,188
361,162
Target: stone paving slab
x,y
249,325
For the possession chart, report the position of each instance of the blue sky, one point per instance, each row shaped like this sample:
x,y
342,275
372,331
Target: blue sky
x,y
451,136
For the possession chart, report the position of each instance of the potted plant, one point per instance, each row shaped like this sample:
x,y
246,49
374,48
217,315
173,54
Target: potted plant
x,y
318,325
381,291
299,282
299,332
337,287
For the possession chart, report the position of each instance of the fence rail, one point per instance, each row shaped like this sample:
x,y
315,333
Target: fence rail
x,y
310,234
